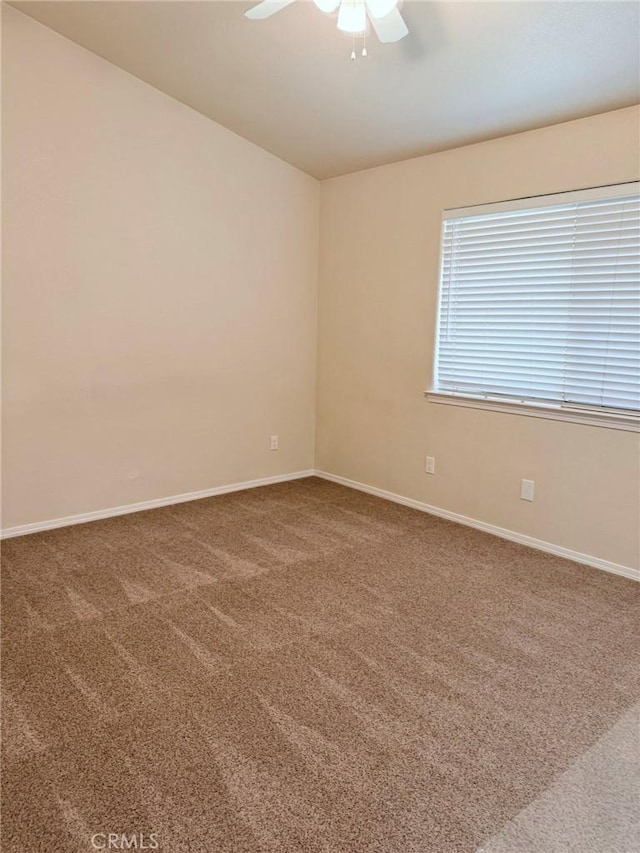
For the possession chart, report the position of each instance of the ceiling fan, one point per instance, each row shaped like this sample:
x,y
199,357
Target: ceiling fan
x,y
385,18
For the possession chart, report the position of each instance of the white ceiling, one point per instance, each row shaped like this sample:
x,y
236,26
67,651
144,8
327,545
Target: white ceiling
x,y
468,71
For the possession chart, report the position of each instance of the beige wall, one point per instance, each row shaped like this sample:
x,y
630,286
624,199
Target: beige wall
x,y
159,290
159,297
378,290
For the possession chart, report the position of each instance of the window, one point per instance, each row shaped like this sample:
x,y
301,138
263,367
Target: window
x,y
539,307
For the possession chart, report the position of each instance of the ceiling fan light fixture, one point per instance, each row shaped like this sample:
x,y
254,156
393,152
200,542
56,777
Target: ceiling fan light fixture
x,y
327,5
352,17
380,8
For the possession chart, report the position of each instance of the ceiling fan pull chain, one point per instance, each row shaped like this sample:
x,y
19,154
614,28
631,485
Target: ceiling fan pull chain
x,y
364,43
353,50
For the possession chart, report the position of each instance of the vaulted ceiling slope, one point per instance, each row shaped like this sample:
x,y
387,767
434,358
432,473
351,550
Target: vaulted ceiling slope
x,y
468,71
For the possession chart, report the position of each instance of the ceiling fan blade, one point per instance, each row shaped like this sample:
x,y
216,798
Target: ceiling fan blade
x,y
390,28
380,8
266,9
327,5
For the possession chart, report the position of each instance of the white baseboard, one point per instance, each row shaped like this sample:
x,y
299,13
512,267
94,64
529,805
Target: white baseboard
x,y
511,535
38,526
540,544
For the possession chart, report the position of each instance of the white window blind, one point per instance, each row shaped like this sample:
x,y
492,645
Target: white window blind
x,y
540,301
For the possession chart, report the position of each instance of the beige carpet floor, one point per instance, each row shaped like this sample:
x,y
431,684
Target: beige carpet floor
x,y
300,667
592,808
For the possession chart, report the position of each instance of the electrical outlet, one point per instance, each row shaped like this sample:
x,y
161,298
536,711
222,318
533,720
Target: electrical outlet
x,y
273,442
527,488
430,465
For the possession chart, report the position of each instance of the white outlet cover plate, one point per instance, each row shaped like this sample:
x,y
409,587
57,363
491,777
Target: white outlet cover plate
x,y
527,489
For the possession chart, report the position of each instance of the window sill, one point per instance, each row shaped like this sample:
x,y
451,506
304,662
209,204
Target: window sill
x,y
609,420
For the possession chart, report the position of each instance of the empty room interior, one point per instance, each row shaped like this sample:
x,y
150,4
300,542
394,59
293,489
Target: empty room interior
x,y
320,426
